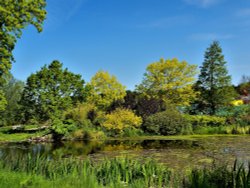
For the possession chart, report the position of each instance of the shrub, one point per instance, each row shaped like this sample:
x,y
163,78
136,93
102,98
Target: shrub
x,y
82,114
212,130
61,128
132,132
78,134
168,122
236,114
121,119
205,120
93,135
231,129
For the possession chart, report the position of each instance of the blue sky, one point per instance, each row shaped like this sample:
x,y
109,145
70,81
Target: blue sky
x,y
124,36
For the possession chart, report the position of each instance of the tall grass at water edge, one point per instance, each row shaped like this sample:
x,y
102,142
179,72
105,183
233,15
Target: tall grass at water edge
x,y
219,177
41,172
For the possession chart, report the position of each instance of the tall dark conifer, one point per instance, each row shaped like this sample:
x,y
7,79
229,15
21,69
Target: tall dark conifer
x,y
214,82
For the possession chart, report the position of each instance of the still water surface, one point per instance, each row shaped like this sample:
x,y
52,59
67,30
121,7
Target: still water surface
x,y
177,154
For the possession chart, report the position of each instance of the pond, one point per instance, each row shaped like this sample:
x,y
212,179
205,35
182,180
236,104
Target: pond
x,y
177,153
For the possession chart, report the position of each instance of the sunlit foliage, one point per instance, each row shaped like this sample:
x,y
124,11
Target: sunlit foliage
x,y
15,16
169,80
121,119
105,89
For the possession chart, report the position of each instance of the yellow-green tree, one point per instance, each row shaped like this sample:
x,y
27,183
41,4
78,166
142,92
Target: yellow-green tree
x,y
170,81
121,119
105,89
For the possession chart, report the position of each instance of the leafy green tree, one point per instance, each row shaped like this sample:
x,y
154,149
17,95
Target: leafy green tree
x,y
3,102
214,83
15,15
169,80
12,91
105,89
51,91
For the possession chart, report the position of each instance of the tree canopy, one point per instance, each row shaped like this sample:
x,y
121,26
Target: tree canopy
x,y
12,90
50,91
214,83
105,89
15,15
3,102
170,81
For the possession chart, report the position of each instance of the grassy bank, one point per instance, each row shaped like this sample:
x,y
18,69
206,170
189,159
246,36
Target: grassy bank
x,y
22,137
176,137
19,137
7,134
120,172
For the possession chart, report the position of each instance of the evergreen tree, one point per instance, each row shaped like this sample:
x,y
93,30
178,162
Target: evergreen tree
x,y
214,83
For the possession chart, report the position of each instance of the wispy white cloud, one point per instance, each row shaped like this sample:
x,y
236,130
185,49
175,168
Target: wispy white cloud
x,y
242,18
210,36
62,11
243,12
203,3
168,22
76,6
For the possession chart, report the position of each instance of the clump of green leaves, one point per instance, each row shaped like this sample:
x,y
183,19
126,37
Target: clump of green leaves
x,y
168,122
15,16
83,114
61,128
121,119
205,120
12,90
3,102
239,115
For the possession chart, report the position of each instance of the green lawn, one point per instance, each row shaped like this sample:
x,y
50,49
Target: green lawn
x,y
19,137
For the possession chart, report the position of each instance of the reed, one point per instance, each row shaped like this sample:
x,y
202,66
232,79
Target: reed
x,y
221,176
84,173
42,172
